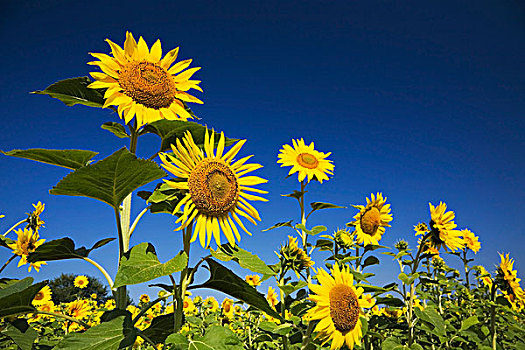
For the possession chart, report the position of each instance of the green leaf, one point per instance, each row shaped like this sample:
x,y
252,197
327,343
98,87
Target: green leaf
x,y
141,264
469,322
279,224
215,338
177,342
67,158
163,199
317,229
161,326
416,347
292,287
243,257
21,333
390,301
116,129
295,194
273,327
75,91
390,343
4,241
171,130
105,336
371,260
111,179
430,315
320,205
224,280
63,248
404,278
17,297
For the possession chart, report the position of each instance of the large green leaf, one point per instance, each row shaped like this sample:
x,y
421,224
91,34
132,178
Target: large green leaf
x,y
75,91
279,224
430,315
116,129
67,158
105,336
163,199
141,264
215,338
111,179
224,280
320,205
63,248
161,326
243,257
17,296
21,333
170,130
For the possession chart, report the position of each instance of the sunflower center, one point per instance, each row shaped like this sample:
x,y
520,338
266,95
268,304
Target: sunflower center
x,y
147,84
39,296
213,187
307,160
370,221
344,308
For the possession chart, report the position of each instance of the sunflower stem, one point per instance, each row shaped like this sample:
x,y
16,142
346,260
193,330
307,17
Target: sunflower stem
x,y
493,316
184,279
7,262
465,263
69,318
101,269
121,294
14,226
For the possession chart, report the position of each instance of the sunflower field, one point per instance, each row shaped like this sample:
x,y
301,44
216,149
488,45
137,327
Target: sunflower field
x,y
208,184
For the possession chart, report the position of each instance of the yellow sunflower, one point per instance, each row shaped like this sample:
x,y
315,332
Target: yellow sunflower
x,y
43,296
471,240
442,227
253,280
372,219
217,188
485,276
81,282
144,298
306,161
508,280
142,84
211,304
27,241
227,307
48,306
338,307
272,297
188,306
34,221
78,309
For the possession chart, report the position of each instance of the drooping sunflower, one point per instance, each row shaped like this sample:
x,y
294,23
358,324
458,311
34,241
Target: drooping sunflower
x,y
471,240
27,241
33,220
271,296
338,307
43,296
507,279
306,161
372,219
294,258
81,282
142,84
217,188
442,227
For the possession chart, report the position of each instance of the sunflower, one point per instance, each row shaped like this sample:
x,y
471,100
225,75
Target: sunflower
x,y
338,307
144,298
253,280
217,190
372,219
421,229
227,307
508,280
272,297
306,161
43,296
471,240
484,276
211,304
142,84
293,257
27,241
442,227
34,221
78,309
188,306
47,306
81,282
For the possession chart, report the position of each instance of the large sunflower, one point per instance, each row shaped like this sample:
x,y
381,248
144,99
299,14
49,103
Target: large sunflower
x,y
216,188
142,84
306,161
372,219
338,307
442,227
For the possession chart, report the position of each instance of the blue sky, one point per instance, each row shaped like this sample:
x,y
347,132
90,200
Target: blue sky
x,y
423,101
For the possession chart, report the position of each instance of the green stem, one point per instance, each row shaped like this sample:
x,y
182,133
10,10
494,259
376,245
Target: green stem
x,y
69,318
14,226
306,336
493,316
465,263
7,262
101,269
121,294
303,219
184,280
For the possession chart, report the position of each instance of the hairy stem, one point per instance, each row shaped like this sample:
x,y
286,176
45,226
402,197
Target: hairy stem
x,y
14,226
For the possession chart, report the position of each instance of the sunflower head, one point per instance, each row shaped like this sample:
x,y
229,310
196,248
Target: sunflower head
x,y
372,219
293,257
215,188
253,280
144,298
484,276
442,227
211,304
27,241
306,161
421,229
471,240
338,307
507,279
33,220
401,245
78,309
142,84
344,239
271,296
81,282
43,296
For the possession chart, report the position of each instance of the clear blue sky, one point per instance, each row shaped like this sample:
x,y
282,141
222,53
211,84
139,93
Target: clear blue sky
x,y
423,101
